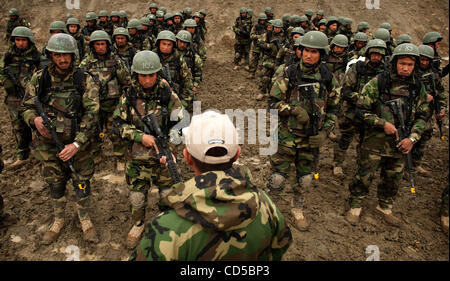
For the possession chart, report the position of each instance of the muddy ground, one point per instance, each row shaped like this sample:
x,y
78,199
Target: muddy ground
x,y
330,237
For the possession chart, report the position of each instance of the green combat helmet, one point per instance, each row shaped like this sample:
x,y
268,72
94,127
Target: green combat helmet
x,y
13,12
323,21
189,23
153,6
426,51
103,13
68,16
203,12
383,34
431,37
315,40
363,25
145,21
168,16
404,38
159,14
163,9
184,36
134,23
386,25
309,13
187,12
361,36
91,16
63,44
58,25
332,20
320,12
249,12
285,17
99,35
277,23
347,21
123,14
341,20
375,46
295,20
268,10
406,49
22,31
262,16
303,18
298,30
242,10
121,31
340,40
72,21
298,42
146,62
166,35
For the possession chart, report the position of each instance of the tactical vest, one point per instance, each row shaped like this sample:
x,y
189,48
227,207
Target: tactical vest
x,y
105,73
363,75
336,63
295,95
63,103
175,71
23,65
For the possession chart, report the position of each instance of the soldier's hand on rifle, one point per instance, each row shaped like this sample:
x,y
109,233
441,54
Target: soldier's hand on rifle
x,y
405,146
38,122
429,98
390,129
441,115
149,141
68,152
317,141
301,114
163,160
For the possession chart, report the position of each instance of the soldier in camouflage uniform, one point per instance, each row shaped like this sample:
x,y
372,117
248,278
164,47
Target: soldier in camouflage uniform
x,y
239,222
392,42
269,13
197,18
323,25
338,57
73,27
14,21
123,47
177,22
357,48
123,18
187,13
104,22
319,16
69,97
269,45
198,44
148,93
294,22
159,22
168,22
20,62
136,38
433,39
332,28
305,24
381,147
115,20
202,23
192,58
242,28
153,8
55,28
112,75
383,34
287,54
356,77
346,29
293,102
91,25
257,31
427,74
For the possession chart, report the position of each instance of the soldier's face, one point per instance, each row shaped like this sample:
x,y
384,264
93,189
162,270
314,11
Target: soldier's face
x,y
424,62
298,52
90,23
197,19
73,28
56,31
333,26
147,81
160,19
103,19
21,43
144,27
277,29
182,45
114,18
243,15
166,46
338,50
319,17
375,58
405,66
295,36
13,18
62,61
177,19
303,24
360,44
262,22
132,31
100,47
153,10
191,30
322,27
121,40
169,22
310,56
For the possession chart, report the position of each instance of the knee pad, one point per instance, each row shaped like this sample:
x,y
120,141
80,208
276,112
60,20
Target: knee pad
x,y
57,190
137,199
276,182
82,188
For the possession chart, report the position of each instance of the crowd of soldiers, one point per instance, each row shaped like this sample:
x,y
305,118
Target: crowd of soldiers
x,y
132,80
319,73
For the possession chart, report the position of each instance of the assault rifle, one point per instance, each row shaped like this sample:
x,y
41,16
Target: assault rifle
x,y
436,107
19,91
403,133
166,74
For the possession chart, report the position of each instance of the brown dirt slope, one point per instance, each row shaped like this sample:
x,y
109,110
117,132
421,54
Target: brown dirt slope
x,y
330,237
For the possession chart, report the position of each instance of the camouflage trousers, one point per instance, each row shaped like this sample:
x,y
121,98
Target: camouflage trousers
x,y
303,161
56,174
140,176
445,202
241,51
348,128
20,130
105,130
265,77
254,60
420,147
391,175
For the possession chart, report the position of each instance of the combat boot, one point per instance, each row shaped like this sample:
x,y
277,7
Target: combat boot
x,y
300,222
388,216
422,170
260,97
353,215
134,236
236,67
17,164
444,223
53,232
89,232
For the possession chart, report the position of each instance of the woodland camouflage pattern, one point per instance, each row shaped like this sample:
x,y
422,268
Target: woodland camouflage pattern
x,y
216,216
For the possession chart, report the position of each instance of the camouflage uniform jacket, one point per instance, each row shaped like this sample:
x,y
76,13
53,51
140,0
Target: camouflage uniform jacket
x,y
111,74
439,90
257,31
126,53
128,125
13,24
83,48
269,47
87,31
286,55
195,64
138,41
337,63
64,106
242,28
107,26
199,45
375,113
180,74
21,64
216,216
285,96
